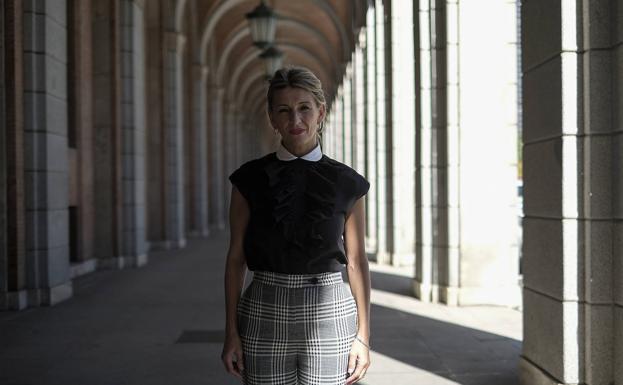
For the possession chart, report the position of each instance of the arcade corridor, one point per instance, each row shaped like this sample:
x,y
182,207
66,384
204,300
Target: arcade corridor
x,y
491,132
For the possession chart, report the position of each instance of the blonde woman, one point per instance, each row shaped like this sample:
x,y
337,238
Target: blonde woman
x,y
297,219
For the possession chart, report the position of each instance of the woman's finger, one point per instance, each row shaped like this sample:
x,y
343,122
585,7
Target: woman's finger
x,y
352,363
230,364
362,365
239,362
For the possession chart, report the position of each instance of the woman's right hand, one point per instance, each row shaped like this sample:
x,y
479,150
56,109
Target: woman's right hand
x,y
232,355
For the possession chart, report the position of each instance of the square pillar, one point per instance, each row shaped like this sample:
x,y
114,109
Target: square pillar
x,y
13,293
400,134
133,245
174,168
200,153
216,159
46,153
572,165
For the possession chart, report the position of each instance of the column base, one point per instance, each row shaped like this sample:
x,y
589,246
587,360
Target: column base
x,y
423,292
116,263
383,258
159,245
202,233
81,268
168,245
14,300
49,296
464,296
178,243
530,374
402,259
395,259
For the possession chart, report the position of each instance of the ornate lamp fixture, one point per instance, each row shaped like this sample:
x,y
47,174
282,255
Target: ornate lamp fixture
x,y
273,58
262,25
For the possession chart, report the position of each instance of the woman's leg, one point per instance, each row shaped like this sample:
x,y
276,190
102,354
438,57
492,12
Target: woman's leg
x,y
264,324
329,328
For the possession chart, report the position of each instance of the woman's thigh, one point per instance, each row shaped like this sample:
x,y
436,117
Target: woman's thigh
x,y
329,328
264,326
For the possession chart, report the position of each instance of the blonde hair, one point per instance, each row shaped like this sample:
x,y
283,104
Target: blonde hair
x,y
296,77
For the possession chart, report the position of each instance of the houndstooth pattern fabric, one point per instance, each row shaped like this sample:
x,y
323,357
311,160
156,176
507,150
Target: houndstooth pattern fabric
x,y
296,329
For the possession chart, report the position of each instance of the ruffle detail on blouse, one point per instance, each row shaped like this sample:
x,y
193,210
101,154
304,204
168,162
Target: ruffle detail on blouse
x,y
299,214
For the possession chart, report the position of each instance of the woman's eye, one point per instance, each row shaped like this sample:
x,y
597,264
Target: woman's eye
x,y
305,108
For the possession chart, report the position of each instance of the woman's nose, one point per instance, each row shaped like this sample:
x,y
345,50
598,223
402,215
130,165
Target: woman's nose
x,y
296,117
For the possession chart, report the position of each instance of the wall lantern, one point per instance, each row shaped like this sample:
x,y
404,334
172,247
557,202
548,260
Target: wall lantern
x,y
262,25
273,59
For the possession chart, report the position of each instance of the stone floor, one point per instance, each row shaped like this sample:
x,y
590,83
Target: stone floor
x,y
162,324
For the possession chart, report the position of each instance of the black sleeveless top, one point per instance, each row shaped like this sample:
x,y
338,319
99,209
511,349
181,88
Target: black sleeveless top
x,y
297,212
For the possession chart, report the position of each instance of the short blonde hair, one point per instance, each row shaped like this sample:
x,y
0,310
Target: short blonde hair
x,y
296,77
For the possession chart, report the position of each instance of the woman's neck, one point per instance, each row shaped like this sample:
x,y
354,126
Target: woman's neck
x,y
299,152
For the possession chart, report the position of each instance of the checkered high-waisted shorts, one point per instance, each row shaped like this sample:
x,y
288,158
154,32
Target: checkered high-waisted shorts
x,y
296,329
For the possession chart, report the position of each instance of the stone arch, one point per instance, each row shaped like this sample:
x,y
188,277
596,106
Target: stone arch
x,y
217,11
241,32
251,54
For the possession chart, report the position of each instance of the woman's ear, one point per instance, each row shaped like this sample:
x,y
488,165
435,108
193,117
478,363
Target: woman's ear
x,y
323,112
270,119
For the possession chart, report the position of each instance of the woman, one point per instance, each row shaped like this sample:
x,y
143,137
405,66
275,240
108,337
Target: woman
x,y
297,217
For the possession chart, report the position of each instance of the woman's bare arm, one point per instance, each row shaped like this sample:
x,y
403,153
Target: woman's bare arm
x,y
235,272
359,279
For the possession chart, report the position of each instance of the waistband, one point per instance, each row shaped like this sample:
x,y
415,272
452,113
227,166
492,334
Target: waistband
x,y
295,281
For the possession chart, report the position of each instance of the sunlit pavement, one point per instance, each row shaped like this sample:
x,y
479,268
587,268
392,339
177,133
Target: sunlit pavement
x,y
162,324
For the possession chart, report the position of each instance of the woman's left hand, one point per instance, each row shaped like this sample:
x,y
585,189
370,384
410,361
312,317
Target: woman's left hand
x,y
358,362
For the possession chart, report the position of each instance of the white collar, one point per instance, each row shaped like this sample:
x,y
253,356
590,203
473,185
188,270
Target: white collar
x,y
313,156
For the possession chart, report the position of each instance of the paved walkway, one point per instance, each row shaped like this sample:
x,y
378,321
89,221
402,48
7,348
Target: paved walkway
x,y
162,324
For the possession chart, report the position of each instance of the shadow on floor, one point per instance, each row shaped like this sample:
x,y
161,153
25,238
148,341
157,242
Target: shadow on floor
x,y
392,283
431,351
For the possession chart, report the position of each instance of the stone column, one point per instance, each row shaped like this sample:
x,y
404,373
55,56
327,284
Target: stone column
x,y
358,113
246,136
400,134
13,294
424,272
338,145
80,137
4,254
242,138
329,129
370,115
174,169
229,142
481,183
46,153
572,249
347,121
107,189
467,206
360,143
217,209
382,251
133,246
200,145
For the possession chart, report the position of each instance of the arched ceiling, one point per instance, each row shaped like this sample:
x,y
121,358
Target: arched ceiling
x,y
318,34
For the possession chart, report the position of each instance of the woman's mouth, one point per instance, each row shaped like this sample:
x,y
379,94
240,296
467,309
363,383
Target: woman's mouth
x,y
296,131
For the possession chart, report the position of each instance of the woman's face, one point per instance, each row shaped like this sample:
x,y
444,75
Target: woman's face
x,y
296,116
